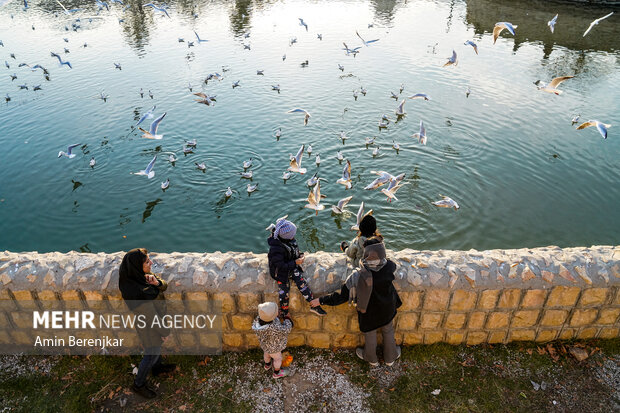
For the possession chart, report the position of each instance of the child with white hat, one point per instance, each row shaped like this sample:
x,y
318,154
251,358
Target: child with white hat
x,y
272,336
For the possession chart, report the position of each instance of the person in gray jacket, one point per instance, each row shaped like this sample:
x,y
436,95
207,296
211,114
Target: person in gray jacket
x,y
272,336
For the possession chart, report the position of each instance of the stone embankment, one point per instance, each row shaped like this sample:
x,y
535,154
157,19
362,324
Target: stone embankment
x,y
458,297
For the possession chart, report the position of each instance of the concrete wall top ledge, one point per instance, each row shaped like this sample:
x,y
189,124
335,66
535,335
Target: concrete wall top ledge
x,y
524,268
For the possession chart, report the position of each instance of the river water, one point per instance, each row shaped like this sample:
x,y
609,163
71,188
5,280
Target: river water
x,y
506,152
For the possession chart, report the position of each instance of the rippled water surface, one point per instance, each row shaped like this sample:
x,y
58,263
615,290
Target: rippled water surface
x,y
507,153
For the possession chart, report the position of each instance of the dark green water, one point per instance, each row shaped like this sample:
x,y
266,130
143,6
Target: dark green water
x,y
507,153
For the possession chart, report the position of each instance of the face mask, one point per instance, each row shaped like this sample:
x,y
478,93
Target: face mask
x,y
373,262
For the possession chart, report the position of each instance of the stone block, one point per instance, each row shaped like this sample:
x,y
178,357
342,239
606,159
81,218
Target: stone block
x,y
436,300
248,302
70,295
497,320
432,337
617,299
23,319
583,317
318,340
534,298
232,341
407,321
430,320
608,316
497,337
509,298
525,318
296,340
21,338
186,339
609,332
297,304
336,323
47,295
411,300
593,296
476,337
455,337
546,335
354,324
4,294
251,340
412,338
488,299
562,296
554,318
308,322
347,340
241,322
213,341
587,333
228,302
23,295
455,321
522,335
93,296
567,334
463,300
476,320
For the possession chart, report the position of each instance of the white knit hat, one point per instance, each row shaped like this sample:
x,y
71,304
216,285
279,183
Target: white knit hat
x,y
268,311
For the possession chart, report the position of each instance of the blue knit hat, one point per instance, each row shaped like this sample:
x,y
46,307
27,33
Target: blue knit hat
x,y
285,229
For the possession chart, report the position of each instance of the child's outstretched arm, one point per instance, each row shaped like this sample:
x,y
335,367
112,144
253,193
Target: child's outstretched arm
x,y
336,298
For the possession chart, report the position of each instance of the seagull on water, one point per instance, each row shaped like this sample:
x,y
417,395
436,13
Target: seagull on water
x,y
595,22
165,184
202,166
314,180
191,142
92,162
247,164
341,67
247,175
421,135
497,29
602,127
251,188
152,132
305,112
472,44
342,204
551,87
551,23
346,176
343,136
172,158
370,141
360,215
116,65
148,171
339,156
575,119
314,199
147,115
317,160
395,145
452,60
278,133
446,202
229,192
69,154
295,164
286,175
375,151
236,84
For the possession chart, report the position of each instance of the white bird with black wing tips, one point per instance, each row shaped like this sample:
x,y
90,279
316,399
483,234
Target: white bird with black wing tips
x,y
295,164
552,87
602,127
360,215
305,112
148,171
152,132
346,176
339,209
391,190
314,199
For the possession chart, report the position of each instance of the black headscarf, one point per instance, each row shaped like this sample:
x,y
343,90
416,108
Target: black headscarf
x,y
131,280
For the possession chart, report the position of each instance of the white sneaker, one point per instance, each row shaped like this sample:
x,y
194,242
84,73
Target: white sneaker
x,y
398,352
360,353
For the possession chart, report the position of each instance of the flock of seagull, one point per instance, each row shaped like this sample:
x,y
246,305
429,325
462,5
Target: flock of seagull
x,y
390,183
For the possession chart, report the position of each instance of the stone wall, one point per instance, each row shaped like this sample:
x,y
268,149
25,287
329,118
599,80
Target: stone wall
x,y
458,297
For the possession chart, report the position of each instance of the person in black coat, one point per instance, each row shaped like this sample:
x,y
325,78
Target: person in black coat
x,y
142,291
285,264
371,290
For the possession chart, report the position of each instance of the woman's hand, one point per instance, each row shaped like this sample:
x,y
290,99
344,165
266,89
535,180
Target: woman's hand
x,y
151,279
314,302
299,260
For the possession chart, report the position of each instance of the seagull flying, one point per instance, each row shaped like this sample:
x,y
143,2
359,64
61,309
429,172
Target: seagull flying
x,y
160,9
551,23
595,22
420,96
148,172
314,199
501,26
303,23
346,176
602,127
305,112
199,39
339,209
147,115
366,42
360,215
421,135
152,132
452,60
69,154
391,190
400,110
551,87
472,44
295,165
